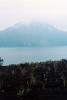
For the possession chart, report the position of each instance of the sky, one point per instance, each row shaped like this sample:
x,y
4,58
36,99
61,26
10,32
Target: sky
x,y
50,11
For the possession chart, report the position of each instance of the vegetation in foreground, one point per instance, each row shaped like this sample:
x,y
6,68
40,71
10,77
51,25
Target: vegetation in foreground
x,y
26,80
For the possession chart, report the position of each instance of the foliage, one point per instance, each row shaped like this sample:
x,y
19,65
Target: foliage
x,y
1,61
20,93
36,76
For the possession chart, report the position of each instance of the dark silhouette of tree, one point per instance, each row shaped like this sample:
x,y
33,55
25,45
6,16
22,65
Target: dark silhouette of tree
x,y
1,61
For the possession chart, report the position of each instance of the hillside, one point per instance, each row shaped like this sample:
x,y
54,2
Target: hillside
x,y
32,35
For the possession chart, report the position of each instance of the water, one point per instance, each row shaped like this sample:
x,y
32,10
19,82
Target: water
x,y
29,54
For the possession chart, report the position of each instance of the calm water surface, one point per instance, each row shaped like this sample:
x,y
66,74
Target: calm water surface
x,y
29,54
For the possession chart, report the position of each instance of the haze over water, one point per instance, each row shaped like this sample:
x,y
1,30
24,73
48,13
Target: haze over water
x,y
32,54
53,12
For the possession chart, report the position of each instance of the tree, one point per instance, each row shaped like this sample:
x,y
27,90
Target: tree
x,y
1,61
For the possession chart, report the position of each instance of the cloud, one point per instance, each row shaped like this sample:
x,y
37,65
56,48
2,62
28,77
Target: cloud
x,y
13,11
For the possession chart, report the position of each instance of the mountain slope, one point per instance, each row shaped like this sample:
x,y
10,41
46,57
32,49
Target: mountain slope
x,y
33,35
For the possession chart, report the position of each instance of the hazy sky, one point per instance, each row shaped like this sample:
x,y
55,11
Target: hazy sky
x,y
51,11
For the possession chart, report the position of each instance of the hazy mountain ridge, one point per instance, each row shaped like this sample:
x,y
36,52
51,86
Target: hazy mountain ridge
x,y
33,35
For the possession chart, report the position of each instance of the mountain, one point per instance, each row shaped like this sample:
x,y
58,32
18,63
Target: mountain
x,y
32,35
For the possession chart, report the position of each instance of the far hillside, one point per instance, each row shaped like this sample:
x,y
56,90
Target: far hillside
x,y
32,35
